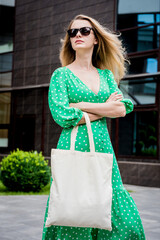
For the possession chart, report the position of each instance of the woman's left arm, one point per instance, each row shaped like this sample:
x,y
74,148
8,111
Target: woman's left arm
x,y
110,109
115,106
114,88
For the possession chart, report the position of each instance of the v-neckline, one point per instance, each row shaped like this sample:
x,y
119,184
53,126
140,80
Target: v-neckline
x,y
85,84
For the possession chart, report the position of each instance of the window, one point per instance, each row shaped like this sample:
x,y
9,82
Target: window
x,y
140,91
143,64
6,26
144,35
139,25
5,105
141,134
5,100
5,79
5,62
6,49
4,137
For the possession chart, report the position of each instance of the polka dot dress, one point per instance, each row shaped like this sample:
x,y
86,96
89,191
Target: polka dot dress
x,y
65,87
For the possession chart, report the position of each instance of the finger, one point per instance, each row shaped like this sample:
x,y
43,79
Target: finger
x,y
119,97
114,93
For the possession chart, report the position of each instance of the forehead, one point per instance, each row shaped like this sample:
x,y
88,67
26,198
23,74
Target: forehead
x,y
80,23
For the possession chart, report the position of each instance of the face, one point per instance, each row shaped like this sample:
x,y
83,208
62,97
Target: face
x,y
82,42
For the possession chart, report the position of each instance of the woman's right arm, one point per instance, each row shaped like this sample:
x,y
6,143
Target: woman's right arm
x,y
58,101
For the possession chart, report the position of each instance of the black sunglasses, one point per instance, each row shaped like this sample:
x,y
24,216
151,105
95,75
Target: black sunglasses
x,y
85,31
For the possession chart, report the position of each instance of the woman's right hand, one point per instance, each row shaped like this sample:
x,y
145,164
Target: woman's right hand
x,y
115,97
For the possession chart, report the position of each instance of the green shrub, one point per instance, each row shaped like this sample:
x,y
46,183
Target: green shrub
x,y
25,171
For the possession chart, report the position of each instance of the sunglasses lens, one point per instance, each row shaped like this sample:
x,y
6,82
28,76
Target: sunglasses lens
x,y
85,31
72,32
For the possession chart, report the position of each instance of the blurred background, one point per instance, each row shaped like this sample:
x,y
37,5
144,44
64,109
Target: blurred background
x,y
30,33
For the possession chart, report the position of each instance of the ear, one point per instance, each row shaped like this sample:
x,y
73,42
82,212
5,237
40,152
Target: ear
x,y
95,41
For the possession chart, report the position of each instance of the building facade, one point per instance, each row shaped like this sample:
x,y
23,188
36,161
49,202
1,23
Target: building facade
x,y
29,53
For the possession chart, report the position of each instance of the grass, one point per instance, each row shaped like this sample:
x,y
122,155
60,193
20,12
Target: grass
x,y
130,190
4,191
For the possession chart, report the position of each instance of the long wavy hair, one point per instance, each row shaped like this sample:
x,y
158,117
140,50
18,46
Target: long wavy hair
x,y
107,54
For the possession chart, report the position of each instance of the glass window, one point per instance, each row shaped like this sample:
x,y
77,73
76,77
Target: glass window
x,y
140,39
136,36
6,43
6,28
5,79
5,62
3,137
140,135
140,91
138,6
8,2
5,104
143,19
147,38
143,65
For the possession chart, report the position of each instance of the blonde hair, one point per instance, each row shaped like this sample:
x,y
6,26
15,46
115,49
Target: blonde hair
x,y
107,54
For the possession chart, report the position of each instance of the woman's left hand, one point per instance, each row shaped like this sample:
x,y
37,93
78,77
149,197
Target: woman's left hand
x,y
115,97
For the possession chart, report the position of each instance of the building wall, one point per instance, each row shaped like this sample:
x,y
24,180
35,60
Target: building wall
x,y
39,26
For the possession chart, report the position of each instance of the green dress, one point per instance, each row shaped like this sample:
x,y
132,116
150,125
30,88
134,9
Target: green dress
x,y
65,87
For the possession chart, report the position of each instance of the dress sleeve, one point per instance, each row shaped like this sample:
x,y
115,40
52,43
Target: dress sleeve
x,y
113,87
58,101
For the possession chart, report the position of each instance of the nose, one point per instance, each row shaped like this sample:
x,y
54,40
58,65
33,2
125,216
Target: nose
x,y
78,33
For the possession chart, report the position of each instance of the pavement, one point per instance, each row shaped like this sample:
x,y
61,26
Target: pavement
x,y
21,217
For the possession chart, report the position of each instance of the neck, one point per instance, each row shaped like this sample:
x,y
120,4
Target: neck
x,y
83,60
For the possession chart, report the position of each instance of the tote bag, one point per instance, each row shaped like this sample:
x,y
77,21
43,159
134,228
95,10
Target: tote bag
x,y
81,190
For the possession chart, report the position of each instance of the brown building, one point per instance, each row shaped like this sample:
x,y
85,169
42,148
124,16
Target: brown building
x,y
30,36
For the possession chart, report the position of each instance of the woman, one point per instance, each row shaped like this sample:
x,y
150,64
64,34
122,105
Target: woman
x,y
92,64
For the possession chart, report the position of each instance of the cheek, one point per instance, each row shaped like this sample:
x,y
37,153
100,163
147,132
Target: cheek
x,y
90,40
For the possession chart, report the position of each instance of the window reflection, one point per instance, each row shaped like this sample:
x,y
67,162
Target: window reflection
x,y
142,39
5,62
5,79
6,43
143,65
7,28
140,91
145,19
136,36
152,65
3,137
141,138
148,38
5,104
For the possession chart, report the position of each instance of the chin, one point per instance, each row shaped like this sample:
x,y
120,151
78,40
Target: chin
x,y
80,47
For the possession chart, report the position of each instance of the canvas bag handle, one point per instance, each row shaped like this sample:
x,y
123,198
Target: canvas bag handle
x,y
90,134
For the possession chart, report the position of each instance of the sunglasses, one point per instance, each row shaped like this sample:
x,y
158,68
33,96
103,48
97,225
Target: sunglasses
x,y
85,31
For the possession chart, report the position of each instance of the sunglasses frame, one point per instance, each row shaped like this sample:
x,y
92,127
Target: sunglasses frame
x,y
81,31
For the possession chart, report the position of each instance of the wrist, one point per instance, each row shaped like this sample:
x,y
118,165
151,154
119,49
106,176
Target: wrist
x,y
80,105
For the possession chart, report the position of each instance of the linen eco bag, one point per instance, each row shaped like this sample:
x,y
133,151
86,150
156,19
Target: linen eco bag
x,y
81,190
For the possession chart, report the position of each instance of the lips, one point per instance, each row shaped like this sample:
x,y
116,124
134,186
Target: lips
x,y
78,41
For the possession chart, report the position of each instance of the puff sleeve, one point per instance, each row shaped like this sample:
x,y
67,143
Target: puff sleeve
x,y
113,87
58,101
